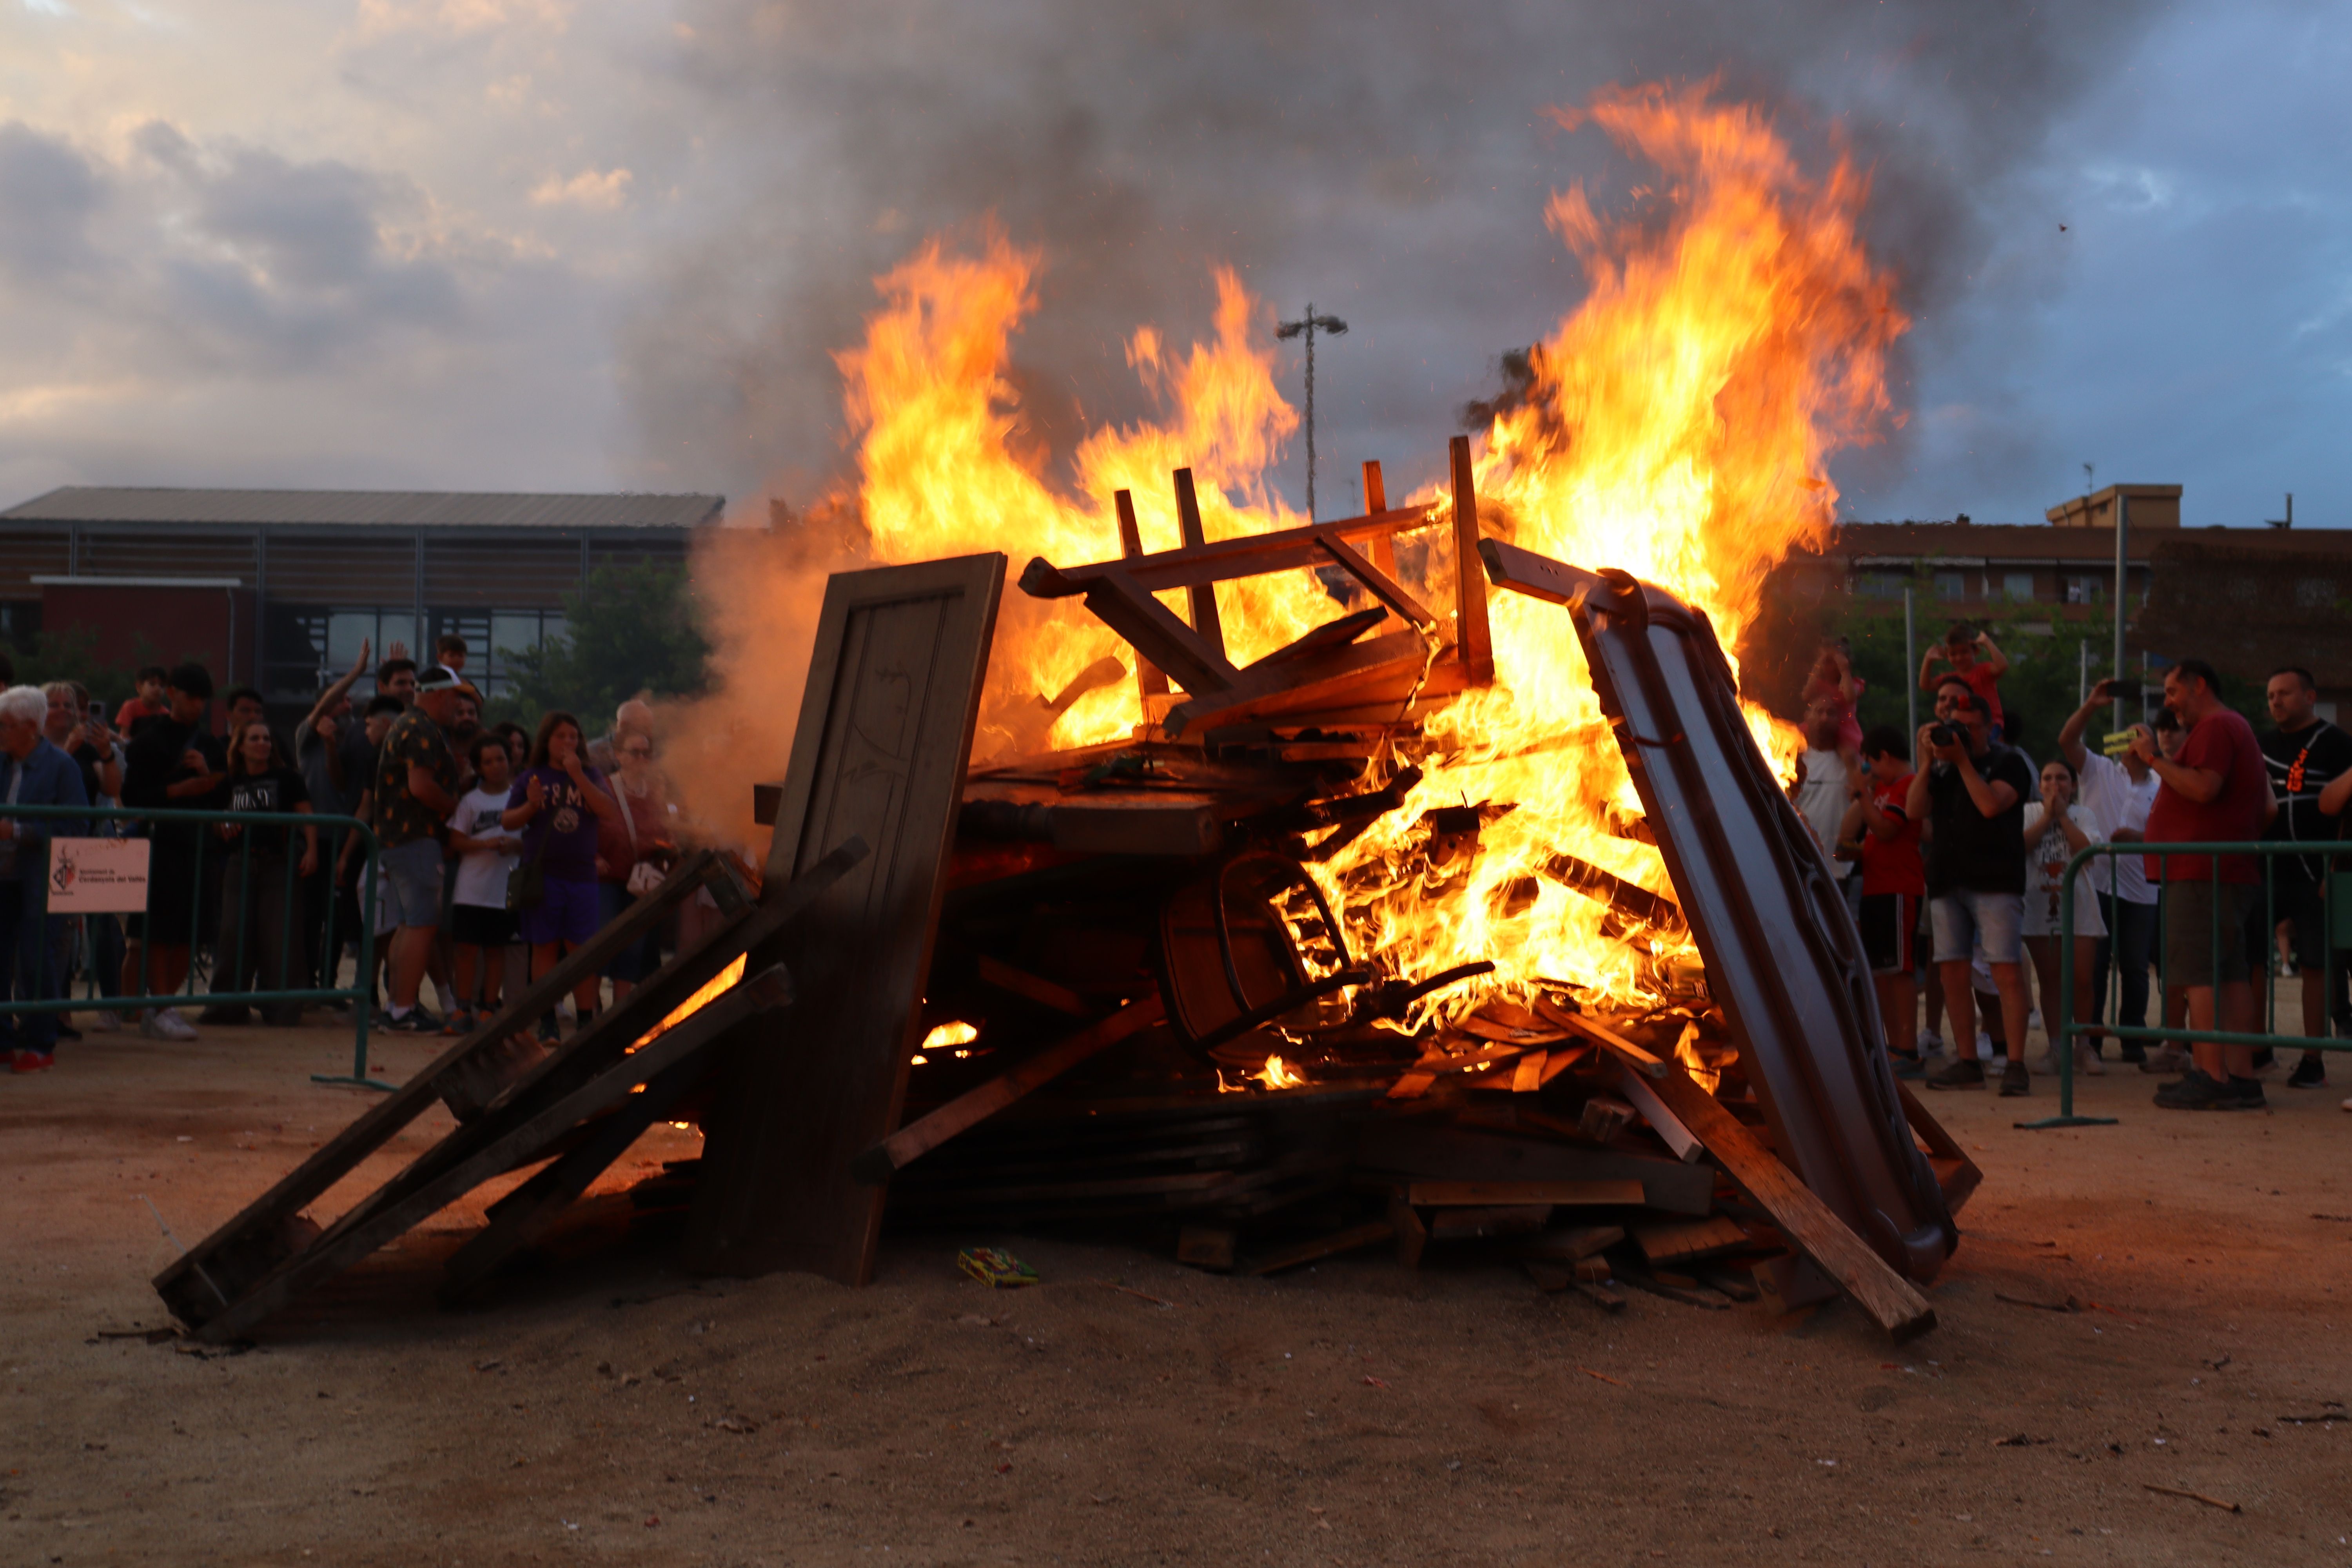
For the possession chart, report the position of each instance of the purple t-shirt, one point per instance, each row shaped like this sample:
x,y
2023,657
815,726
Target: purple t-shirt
x,y
566,824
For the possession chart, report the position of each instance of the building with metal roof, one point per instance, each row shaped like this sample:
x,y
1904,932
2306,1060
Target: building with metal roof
x,y
281,585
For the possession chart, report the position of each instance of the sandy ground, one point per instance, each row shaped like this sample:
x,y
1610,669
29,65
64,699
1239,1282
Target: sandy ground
x,y
608,1408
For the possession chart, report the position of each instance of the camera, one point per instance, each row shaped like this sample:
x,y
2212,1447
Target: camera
x,y
1944,734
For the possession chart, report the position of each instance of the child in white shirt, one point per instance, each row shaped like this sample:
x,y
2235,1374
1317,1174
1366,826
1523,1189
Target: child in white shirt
x,y
480,924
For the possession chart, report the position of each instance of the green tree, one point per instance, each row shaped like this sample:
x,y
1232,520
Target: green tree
x,y
624,632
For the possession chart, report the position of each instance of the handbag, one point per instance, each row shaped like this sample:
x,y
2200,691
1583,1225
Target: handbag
x,y
526,883
644,875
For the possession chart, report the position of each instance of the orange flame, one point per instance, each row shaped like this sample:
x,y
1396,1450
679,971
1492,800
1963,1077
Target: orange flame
x,y
1677,425
712,989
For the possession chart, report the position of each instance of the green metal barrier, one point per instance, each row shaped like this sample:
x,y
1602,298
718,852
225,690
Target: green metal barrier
x,y
332,830
2336,907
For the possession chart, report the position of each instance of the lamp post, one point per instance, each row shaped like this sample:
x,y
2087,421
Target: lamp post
x,y
1309,324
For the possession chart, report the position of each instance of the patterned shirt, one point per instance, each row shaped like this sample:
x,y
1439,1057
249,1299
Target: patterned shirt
x,y
400,816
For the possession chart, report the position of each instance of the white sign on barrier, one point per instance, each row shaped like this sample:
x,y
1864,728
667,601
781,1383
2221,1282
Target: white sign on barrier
x,y
98,875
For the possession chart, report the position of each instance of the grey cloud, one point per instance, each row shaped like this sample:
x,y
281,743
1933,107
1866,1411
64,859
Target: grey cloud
x,y
1390,162
49,192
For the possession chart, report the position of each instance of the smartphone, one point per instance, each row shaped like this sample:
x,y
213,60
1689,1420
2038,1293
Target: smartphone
x,y
2128,689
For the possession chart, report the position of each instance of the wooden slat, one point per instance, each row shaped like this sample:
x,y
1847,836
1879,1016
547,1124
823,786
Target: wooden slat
x,y
241,1250
1380,547
884,735
1149,679
1473,643
1156,634
1380,583
1324,638
1284,550
1044,993
1890,1299
1331,678
1472,1194
1203,595
918,1138
332,1254
1689,1239
1351,1239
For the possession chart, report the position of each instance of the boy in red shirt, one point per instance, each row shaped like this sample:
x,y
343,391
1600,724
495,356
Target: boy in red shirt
x,y
150,701
1878,833
2216,790
1974,659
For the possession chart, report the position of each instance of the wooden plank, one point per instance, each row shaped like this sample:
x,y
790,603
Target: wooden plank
x,y
1803,1218
1329,635
885,731
1528,1074
1456,1154
1662,1119
1471,1194
1577,1242
1955,1171
1672,1243
1379,547
322,1261
1473,643
1338,676
1202,595
1149,680
1353,1239
1790,1282
1494,1219
1381,585
918,1138
1411,1235
218,1269
1189,659
1044,993
1284,550
1209,1247
1600,1034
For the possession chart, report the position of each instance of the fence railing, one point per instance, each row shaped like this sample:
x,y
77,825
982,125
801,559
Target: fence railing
x,y
2335,916
236,929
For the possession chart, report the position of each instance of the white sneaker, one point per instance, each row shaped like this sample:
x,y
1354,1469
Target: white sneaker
x,y
2086,1060
1984,1047
1928,1044
165,1023
105,1023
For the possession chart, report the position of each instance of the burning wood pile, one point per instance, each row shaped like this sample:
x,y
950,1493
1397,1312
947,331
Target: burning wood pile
x,y
1143,988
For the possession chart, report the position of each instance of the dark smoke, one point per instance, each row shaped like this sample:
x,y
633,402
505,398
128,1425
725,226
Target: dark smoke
x,y
1389,164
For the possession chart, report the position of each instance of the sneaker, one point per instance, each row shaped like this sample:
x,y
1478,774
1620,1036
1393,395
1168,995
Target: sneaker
x,y
2309,1073
33,1061
2045,1065
1985,1053
165,1023
417,1022
105,1023
1906,1064
460,1022
2244,1094
2194,1091
2087,1059
1928,1044
1959,1075
2171,1059
2014,1082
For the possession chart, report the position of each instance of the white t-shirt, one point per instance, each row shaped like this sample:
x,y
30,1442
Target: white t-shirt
x,y
482,873
1821,797
2045,870
2119,804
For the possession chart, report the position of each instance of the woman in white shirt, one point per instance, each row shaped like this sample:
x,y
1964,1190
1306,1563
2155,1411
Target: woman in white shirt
x,y
2056,829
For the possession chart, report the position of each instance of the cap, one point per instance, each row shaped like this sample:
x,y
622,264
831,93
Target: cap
x,y
438,678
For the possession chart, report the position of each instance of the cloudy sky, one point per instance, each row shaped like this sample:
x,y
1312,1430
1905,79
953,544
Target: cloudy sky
x,y
558,245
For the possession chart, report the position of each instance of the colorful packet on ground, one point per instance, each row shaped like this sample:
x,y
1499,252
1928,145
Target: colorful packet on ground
x,y
995,1268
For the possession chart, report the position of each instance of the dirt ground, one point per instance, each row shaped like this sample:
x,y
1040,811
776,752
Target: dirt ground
x,y
609,1409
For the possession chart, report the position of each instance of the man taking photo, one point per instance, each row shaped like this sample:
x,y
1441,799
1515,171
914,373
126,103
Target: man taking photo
x,y
415,791
2118,791
2216,790
1971,793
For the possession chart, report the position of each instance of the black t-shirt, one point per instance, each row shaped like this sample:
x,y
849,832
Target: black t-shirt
x,y
2300,766
87,757
279,789
1966,849
152,764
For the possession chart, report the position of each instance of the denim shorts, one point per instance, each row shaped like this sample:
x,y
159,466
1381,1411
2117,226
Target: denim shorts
x,y
412,875
1964,920
568,912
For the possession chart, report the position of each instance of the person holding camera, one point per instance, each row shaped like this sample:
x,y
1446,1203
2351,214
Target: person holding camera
x,y
2118,789
1971,792
2304,755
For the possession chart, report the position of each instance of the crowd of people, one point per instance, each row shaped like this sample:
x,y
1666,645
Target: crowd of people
x,y
1954,839
501,849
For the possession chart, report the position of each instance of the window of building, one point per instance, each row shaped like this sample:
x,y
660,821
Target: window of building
x,y
1952,585
1881,585
308,647
2017,587
2314,593
2082,589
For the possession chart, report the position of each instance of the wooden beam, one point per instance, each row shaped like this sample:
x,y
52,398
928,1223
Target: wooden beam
x,y
1479,1194
1148,676
1203,594
1044,993
919,1137
1368,1234
1189,659
1379,583
1380,547
1324,638
1890,1299
1474,643
1661,1118
1284,550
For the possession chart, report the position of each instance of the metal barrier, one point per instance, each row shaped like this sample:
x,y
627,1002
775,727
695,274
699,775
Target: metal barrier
x,y
333,832
2336,915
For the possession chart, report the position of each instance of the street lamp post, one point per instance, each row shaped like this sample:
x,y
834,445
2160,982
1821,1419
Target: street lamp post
x,y
1309,324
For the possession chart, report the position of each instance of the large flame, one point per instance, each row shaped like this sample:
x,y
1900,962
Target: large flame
x,y
1676,424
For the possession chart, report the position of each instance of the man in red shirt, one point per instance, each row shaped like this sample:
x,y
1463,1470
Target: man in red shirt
x,y
2216,790
1878,833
